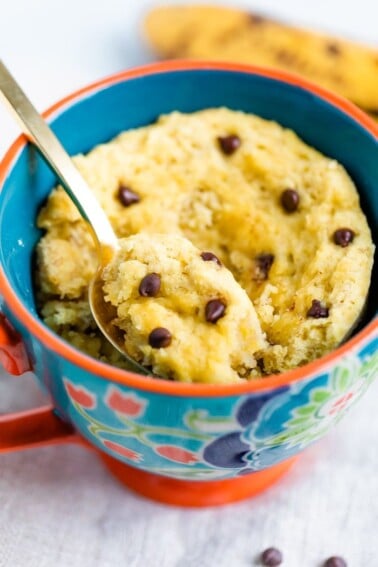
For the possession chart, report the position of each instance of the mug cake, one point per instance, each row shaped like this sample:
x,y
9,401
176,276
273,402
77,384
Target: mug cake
x,y
244,253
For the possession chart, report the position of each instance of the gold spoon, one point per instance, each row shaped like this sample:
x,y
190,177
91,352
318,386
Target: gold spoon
x,y
39,133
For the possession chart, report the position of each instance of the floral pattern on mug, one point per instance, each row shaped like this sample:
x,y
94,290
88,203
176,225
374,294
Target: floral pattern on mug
x,y
123,451
177,454
129,404
326,404
257,430
80,395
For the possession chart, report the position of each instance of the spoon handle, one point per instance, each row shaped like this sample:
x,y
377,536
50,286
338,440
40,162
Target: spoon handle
x,y
44,139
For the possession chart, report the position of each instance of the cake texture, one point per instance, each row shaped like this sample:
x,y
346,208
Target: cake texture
x,y
283,220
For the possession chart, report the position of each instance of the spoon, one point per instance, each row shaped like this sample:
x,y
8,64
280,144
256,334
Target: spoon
x,y
39,133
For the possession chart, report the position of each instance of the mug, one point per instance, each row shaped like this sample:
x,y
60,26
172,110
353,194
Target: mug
x,y
179,443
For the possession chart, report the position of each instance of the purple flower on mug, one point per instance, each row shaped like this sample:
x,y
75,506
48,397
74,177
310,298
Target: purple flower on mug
x,y
230,451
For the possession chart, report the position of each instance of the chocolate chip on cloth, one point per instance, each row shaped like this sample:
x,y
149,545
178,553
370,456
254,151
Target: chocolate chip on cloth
x,y
335,561
271,557
160,286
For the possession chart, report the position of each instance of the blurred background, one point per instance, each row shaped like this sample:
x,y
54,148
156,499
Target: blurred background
x,y
55,47
58,506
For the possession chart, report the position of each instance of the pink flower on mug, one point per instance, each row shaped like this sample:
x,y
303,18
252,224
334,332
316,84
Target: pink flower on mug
x,y
177,454
341,403
129,405
123,451
80,395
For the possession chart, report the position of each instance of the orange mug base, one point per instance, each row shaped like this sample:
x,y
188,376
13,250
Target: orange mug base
x,y
195,493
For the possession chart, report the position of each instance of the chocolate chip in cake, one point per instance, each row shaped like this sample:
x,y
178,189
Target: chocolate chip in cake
x,y
317,310
159,338
214,310
127,196
335,561
150,285
271,557
260,365
343,236
263,263
229,144
290,200
210,257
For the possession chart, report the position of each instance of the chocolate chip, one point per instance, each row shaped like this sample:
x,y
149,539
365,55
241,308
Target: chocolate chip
x,y
126,196
260,365
263,263
343,236
214,310
290,200
160,338
333,48
150,285
210,257
229,144
271,557
335,562
317,310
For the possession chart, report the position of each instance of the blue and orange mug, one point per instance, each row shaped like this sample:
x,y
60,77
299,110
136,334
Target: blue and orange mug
x,y
179,443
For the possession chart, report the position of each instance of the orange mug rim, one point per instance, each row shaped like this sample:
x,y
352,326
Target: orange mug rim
x,y
131,379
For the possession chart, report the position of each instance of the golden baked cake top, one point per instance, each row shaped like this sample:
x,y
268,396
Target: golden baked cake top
x,y
284,219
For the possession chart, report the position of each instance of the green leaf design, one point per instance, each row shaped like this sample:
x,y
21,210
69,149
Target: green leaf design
x,y
279,439
321,395
96,426
140,432
94,429
298,421
306,410
342,378
307,423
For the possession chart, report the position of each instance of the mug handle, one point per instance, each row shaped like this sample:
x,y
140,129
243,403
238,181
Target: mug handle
x,y
13,355
33,428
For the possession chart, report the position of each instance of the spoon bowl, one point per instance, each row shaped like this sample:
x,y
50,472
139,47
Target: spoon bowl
x,y
104,314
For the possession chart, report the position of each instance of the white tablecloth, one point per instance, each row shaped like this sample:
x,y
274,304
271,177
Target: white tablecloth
x,y
58,505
